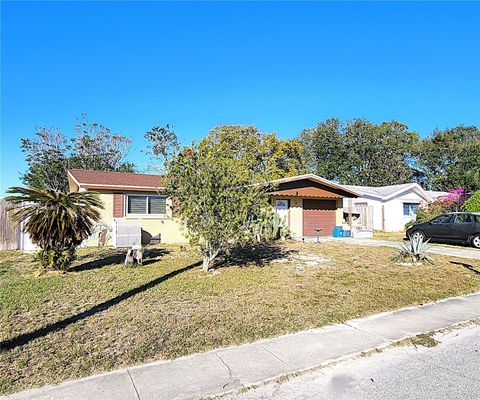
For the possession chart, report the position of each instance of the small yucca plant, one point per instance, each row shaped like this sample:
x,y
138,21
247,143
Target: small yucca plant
x,y
415,250
57,222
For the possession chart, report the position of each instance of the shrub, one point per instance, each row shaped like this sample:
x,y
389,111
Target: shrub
x,y
415,250
440,205
473,203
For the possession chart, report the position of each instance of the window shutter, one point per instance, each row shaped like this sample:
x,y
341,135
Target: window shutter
x,y
157,205
137,204
118,205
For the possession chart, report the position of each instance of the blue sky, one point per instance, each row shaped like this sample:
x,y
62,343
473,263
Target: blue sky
x,y
280,66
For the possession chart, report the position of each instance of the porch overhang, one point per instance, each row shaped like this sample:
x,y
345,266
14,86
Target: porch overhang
x,y
310,186
313,192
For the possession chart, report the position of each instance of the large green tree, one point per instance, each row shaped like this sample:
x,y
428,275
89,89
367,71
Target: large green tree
x,y
93,146
450,158
217,203
378,155
264,154
359,152
323,149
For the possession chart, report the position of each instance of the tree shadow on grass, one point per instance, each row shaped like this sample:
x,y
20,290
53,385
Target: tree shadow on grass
x,y
151,256
258,255
118,257
467,266
25,338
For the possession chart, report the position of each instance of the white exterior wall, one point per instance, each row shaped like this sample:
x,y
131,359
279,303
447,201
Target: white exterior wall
x,y
393,210
394,219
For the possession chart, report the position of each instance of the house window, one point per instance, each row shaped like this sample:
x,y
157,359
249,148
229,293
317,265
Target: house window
x,y
141,204
409,209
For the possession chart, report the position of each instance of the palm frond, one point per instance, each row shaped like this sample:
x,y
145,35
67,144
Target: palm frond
x,y
54,218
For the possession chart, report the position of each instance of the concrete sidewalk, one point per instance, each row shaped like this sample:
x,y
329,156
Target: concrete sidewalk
x,y
453,251
224,369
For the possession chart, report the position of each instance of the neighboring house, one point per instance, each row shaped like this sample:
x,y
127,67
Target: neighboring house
x,y
130,197
305,203
392,206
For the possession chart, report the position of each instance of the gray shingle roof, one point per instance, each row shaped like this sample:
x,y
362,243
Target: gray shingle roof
x,y
379,191
434,194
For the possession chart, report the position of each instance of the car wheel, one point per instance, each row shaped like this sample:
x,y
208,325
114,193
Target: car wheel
x,y
476,241
417,235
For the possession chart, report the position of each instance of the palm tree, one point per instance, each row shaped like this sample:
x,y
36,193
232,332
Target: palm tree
x,y
56,221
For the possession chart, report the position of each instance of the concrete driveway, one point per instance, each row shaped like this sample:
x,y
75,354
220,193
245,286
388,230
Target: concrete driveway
x,y
445,250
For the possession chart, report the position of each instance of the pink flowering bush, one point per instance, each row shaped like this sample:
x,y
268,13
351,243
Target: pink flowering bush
x,y
443,204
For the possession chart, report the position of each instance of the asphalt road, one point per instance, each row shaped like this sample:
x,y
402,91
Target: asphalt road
x,y
448,370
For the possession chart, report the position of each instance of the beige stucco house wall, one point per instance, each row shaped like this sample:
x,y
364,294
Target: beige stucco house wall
x,y
164,226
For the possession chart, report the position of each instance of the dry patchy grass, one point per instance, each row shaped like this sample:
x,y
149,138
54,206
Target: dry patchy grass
x,y
114,316
395,236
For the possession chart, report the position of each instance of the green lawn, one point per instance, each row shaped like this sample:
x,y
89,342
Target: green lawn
x,y
103,316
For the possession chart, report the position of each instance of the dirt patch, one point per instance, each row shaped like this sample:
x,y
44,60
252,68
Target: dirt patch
x,y
305,262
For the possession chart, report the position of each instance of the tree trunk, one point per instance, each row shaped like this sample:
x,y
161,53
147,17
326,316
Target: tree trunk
x,y
208,257
134,256
206,263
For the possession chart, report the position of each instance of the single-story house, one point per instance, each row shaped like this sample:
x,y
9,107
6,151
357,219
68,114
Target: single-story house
x,y
391,206
305,202
130,197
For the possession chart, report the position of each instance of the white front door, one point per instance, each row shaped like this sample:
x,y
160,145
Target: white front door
x,y
281,207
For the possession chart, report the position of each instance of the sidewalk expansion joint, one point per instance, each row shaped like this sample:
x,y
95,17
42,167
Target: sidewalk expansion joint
x,y
369,333
274,355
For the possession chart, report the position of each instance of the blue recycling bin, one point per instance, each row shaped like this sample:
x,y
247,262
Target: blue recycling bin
x,y
337,232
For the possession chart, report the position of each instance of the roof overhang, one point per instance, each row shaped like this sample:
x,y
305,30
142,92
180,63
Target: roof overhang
x,y
102,186
122,188
411,187
415,187
307,192
317,179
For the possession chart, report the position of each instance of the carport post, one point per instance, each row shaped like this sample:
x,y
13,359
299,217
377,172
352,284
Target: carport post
x,y
350,218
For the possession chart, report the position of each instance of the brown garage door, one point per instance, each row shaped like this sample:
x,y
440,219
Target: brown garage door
x,y
318,214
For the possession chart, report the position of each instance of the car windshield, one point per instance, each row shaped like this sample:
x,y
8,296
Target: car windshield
x,y
442,219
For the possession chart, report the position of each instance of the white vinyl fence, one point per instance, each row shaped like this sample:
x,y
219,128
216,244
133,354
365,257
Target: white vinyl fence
x,y
127,233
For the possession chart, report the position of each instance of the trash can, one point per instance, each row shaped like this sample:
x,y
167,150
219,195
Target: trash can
x,y
337,232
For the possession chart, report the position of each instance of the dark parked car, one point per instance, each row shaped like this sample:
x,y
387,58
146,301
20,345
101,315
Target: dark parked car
x,y
452,227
